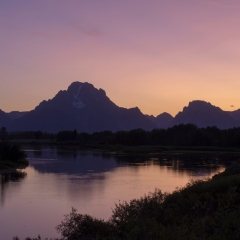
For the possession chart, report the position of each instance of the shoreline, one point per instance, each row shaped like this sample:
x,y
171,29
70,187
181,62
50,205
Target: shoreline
x,y
126,149
10,166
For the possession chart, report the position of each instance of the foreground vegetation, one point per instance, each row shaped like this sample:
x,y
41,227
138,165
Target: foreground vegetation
x,y
204,209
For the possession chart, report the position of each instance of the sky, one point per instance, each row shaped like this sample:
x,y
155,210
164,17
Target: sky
x,y
157,55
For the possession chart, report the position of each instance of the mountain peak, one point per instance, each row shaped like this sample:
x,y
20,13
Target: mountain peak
x,y
162,120
165,114
75,86
199,103
204,114
82,107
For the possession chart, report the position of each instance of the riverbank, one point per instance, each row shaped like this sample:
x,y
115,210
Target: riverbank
x,y
8,166
12,157
203,209
207,209
124,149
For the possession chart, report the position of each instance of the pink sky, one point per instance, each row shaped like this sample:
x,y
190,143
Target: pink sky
x,y
154,54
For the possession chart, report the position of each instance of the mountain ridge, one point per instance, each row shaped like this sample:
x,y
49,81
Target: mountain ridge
x,y
88,109
162,120
84,108
204,114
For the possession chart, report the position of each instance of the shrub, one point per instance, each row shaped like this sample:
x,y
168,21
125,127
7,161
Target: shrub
x,y
204,209
12,152
77,226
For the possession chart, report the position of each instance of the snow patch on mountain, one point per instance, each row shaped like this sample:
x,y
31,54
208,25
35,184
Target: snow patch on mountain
x,y
78,103
76,95
77,100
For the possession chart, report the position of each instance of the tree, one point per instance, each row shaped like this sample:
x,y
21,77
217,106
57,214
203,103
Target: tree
x,y
3,133
74,134
38,135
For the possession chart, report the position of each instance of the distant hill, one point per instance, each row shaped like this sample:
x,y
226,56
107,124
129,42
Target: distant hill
x,y
84,108
16,114
87,109
163,120
5,120
236,115
204,114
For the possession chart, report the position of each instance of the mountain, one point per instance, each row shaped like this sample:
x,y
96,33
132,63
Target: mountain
x,y
5,120
16,114
236,115
162,120
204,114
87,109
84,108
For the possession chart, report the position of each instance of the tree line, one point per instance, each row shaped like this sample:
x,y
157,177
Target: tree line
x,y
11,155
179,135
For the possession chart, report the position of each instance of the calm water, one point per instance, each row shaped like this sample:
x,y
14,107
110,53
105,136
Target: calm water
x,y
59,179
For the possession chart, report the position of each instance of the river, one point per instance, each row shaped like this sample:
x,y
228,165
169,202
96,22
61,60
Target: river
x,y
58,179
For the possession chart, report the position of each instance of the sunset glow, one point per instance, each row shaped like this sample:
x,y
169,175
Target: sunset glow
x,y
157,55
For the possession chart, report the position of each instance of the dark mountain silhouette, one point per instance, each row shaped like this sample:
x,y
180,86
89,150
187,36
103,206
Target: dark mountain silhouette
x,y
16,114
204,114
236,115
84,108
5,120
87,109
163,120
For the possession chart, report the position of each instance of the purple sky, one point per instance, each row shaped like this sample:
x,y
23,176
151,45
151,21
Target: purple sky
x,y
154,54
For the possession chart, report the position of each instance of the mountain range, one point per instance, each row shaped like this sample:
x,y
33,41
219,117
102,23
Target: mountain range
x,y
87,109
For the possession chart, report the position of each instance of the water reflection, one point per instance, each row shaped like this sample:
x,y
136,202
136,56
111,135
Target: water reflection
x,y
71,162
192,164
83,173
7,177
83,168
60,178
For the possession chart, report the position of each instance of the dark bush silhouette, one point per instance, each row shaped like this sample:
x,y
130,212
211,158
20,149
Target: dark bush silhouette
x,y
12,152
204,209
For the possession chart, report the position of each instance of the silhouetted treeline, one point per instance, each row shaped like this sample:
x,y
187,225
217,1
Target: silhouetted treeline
x,y
31,135
11,152
179,135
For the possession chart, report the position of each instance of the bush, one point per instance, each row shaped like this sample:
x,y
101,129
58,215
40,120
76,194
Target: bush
x,y
207,209
77,226
12,152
